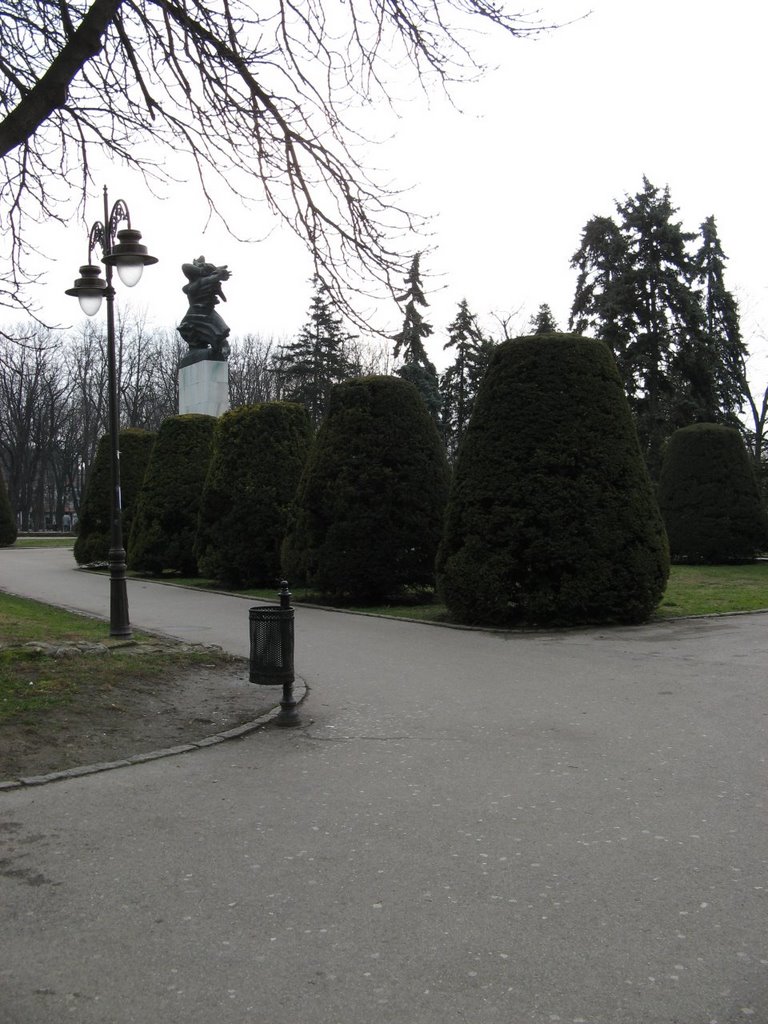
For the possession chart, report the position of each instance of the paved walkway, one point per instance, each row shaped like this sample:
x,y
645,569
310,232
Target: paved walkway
x,y
470,828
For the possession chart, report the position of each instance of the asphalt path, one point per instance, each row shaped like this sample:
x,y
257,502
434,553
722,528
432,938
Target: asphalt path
x,y
469,827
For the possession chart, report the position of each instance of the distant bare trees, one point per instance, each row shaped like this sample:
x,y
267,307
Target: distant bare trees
x,y
756,433
53,408
32,399
53,401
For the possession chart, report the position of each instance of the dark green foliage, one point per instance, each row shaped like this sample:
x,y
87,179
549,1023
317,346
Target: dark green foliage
x,y
94,525
369,511
709,496
424,378
7,519
417,367
662,307
723,350
415,330
165,525
259,452
318,358
543,322
459,383
552,518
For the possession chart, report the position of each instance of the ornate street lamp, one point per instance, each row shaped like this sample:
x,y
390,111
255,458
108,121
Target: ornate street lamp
x,y
121,249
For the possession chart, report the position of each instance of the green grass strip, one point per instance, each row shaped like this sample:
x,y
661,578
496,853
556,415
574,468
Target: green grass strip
x,y
692,590
44,542
715,589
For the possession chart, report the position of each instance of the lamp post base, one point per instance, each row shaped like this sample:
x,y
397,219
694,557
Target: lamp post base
x,y
119,623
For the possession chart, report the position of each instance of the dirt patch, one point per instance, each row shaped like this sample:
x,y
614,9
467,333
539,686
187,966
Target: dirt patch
x,y
133,718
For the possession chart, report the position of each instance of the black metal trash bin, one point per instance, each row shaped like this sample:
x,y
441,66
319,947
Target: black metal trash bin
x,y
271,662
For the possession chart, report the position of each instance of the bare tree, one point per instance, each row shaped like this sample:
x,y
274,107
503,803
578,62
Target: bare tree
x,y
85,363
254,371
756,434
170,348
53,407
144,361
370,357
260,100
53,401
32,409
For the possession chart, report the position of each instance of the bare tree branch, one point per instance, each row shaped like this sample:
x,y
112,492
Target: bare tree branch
x,y
260,101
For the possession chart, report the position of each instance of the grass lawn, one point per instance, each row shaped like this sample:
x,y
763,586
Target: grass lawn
x,y
692,590
22,620
44,542
32,679
709,589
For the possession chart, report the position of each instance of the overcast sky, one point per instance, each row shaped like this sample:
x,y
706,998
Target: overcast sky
x,y
565,126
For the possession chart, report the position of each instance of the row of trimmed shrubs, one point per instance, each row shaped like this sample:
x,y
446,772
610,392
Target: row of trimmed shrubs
x,y
202,494
551,516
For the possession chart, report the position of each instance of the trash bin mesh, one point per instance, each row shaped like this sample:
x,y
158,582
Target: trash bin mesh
x,y
271,645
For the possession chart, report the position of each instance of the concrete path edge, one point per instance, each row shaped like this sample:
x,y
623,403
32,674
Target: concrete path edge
x,y
154,755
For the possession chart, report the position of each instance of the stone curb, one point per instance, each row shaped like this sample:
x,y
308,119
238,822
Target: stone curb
x,y
152,755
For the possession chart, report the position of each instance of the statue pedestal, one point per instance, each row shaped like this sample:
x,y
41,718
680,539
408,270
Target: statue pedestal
x,y
204,387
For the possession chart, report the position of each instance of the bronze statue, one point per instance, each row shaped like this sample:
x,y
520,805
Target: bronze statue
x,y
202,328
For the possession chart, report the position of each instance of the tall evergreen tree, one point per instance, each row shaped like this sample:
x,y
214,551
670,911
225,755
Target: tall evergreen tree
x,y
543,321
599,306
409,342
644,291
317,359
723,341
666,312
459,383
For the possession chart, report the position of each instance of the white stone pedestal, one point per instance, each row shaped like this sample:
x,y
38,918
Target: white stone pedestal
x,y
204,387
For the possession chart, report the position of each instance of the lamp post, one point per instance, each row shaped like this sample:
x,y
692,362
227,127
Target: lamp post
x,y
121,249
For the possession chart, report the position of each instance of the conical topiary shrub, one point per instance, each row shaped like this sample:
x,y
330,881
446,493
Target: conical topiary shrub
x,y
370,507
94,528
258,454
709,496
8,531
552,518
165,524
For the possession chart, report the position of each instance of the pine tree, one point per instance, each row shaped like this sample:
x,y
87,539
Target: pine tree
x,y
459,383
417,367
664,312
543,321
667,319
723,339
410,340
599,305
317,360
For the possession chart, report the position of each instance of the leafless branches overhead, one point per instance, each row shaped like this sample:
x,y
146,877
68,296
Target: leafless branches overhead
x,y
263,101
